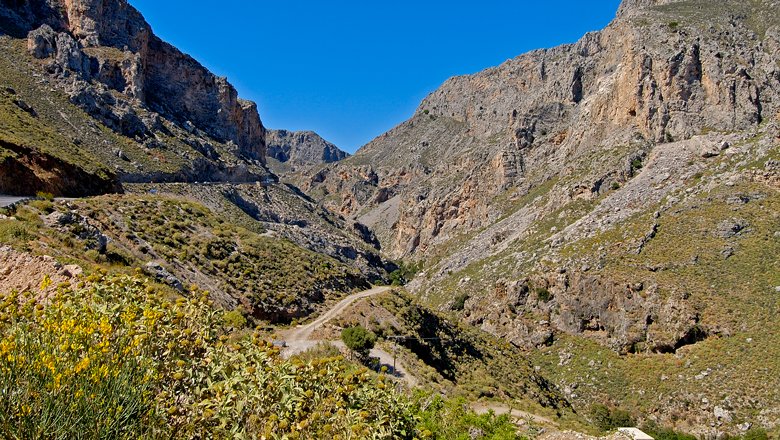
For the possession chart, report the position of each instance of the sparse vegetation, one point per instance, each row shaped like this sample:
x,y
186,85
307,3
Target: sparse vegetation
x,y
274,273
405,273
460,302
543,294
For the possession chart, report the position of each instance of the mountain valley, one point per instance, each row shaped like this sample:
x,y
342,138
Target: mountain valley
x,y
587,234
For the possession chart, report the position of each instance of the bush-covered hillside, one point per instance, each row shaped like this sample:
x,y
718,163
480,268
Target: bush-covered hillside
x,y
182,243
117,358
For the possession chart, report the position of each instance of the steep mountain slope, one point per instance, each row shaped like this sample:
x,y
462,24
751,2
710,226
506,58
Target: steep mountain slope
x,y
289,150
652,76
102,59
92,101
618,195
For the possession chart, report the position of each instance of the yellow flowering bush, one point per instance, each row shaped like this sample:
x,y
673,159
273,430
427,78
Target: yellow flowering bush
x,y
117,359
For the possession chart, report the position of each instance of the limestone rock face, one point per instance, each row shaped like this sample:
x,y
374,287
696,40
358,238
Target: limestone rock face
x,y
110,42
663,71
498,170
301,148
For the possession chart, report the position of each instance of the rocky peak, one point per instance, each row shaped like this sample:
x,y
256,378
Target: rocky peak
x,y
301,148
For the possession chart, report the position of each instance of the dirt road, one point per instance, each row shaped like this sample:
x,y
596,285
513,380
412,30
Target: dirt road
x,y
498,408
304,332
300,338
10,200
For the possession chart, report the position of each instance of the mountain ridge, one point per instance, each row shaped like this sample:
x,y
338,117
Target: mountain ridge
x,y
542,198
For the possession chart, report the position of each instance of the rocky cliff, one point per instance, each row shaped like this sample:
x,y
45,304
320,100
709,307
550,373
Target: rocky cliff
x,y
92,102
588,191
645,80
294,149
176,121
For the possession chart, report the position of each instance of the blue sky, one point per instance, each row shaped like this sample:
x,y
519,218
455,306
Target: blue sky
x,y
351,70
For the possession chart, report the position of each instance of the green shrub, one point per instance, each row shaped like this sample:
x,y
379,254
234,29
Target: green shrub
x,y
622,418
460,302
359,340
543,294
322,350
44,196
405,273
660,433
28,215
442,419
601,416
235,319
756,434
606,418
45,206
12,231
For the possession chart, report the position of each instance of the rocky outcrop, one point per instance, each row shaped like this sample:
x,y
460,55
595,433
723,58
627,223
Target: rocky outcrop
x,y
301,148
26,172
629,318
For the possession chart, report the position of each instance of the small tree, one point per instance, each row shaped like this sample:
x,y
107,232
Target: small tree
x,y
359,340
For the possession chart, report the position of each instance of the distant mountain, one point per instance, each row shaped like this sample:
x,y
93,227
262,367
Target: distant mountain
x,y
299,149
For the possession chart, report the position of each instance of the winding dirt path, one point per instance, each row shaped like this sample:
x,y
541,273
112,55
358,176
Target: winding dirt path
x,y
300,338
304,332
500,409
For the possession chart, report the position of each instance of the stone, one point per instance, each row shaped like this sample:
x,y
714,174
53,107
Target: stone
x,y
723,415
121,154
41,42
709,151
157,271
301,148
26,107
731,228
69,55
